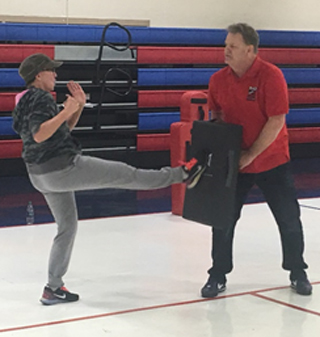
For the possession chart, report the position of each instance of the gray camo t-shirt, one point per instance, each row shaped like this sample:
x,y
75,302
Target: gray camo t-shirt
x,y
34,108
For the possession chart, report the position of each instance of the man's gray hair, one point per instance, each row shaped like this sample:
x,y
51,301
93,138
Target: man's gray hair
x,y
249,34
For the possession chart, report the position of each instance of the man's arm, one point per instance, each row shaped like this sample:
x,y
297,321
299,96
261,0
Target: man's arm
x,y
217,115
267,135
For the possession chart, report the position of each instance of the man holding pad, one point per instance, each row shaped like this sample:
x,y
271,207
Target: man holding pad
x,y
253,93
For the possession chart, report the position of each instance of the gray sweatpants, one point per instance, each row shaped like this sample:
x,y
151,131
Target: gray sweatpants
x,y
88,173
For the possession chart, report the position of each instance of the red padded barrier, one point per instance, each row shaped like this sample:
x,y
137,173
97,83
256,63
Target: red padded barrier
x,y
290,55
171,98
153,142
304,135
10,148
304,95
159,98
180,55
215,55
16,53
179,135
7,100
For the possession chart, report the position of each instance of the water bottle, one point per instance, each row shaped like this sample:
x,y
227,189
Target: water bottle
x,y
30,214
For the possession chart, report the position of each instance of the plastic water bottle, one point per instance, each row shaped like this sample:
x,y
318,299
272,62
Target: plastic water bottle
x,y
30,214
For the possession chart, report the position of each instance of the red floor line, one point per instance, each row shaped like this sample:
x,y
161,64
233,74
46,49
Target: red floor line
x,y
287,304
84,318
121,312
276,288
160,306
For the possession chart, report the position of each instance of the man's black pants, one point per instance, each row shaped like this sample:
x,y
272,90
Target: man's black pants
x,y
278,188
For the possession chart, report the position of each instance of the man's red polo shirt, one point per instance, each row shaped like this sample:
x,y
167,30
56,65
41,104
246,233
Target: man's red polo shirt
x,y
249,101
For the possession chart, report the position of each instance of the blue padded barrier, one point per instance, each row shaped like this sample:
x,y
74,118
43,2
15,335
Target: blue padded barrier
x,y
10,78
289,38
163,120
177,76
49,32
303,116
157,120
301,75
6,126
92,33
177,36
216,37
146,35
201,76
184,76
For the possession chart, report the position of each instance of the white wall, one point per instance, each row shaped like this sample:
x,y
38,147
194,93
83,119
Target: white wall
x,y
262,14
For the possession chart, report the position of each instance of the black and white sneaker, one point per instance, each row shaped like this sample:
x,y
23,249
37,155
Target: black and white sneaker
x,y
194,169
212,288
61,295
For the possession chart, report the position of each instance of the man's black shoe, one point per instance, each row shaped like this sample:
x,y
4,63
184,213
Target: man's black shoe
x,y
302,287
212,288
300,283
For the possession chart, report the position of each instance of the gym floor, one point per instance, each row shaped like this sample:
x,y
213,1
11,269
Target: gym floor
x,y
141,274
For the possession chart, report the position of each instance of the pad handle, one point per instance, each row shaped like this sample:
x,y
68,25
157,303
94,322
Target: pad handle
x,y
230,168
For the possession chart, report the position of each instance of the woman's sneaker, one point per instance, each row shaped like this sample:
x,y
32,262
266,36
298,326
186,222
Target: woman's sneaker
x,y
61,295
194,169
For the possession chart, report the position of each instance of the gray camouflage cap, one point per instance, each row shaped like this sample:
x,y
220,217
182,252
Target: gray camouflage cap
x,y
34,64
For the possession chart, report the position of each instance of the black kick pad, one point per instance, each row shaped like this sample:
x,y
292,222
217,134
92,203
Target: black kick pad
x,y
211,201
